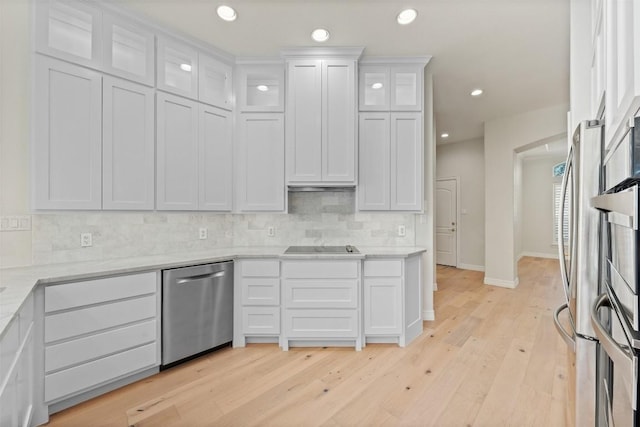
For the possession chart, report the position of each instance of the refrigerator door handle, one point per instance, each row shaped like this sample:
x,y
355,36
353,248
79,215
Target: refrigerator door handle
x,y
567,337
623,359
561,253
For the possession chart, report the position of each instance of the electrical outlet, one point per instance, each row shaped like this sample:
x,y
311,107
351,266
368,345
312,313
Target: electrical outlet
x,y
402,231
86,240
271,231
203,233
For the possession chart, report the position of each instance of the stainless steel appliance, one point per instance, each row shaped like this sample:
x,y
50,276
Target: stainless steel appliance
x,y
335,250
197,310
579,262
615,314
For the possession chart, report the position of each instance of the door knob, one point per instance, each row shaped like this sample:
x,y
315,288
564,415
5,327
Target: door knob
x,y
453,229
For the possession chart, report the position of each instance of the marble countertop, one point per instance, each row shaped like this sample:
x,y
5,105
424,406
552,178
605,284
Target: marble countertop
x,y
17,283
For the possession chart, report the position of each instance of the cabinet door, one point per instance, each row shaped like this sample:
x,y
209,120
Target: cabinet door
x,y
216,158
623,72
383,306
128,50
338,121
67,155
406,88
304,121
598,65
128,145
261,88
374,88
177,153
374,180
177,68
261,162
406,161
215,83
69,30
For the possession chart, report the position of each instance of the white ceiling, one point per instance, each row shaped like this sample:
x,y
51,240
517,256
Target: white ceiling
x,y
516,50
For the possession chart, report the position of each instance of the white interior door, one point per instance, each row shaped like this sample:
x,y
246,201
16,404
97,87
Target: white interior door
x,y
446,222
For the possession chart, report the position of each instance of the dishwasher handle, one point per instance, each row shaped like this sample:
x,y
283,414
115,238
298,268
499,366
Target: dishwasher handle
x,y
192,279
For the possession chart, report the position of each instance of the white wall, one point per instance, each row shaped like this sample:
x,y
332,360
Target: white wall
x,y
501,138
15,246
537,192
465,160
517,206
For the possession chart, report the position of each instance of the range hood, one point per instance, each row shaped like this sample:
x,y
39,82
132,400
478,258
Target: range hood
x,y
319,188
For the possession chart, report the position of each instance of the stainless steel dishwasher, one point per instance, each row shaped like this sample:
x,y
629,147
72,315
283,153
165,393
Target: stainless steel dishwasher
x,y
197,310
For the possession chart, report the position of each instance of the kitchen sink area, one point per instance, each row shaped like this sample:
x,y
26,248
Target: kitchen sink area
x,y
321,250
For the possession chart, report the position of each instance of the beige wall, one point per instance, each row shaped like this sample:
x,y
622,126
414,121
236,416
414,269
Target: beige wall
x,y
537,194
465,160
501,138
15,246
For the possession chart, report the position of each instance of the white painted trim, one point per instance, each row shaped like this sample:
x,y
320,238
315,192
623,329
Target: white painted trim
x,y
435,286
471,267
511,284
428,315
539,255
457,181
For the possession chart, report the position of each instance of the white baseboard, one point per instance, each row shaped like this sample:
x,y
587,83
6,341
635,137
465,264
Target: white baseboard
x,y
511,284
539,255
471,267
435,286
428,315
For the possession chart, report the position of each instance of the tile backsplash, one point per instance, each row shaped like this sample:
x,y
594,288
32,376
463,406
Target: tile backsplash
x,y
313,219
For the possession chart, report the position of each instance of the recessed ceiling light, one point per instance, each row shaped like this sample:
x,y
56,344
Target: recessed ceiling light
x,y
320,35
185,67
227,13
376,86
445,135
476,92
262,88
407,16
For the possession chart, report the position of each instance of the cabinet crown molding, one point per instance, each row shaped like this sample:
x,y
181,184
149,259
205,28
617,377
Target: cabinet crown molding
x,y
396,60
322,52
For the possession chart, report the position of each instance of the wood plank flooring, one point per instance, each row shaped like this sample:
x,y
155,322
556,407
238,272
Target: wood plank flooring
x,y
491,358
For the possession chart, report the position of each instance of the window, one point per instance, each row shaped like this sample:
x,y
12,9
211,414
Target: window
x,y
557,202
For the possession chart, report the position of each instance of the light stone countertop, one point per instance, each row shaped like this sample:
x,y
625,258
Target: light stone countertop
x,y
17,283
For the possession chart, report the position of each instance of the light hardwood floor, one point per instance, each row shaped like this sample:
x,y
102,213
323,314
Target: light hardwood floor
x,y
492,358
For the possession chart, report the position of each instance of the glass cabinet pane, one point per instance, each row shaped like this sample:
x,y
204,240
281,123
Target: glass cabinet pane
x,y
214,83
262,90
129,51
70,30
178,69
405,89
375,88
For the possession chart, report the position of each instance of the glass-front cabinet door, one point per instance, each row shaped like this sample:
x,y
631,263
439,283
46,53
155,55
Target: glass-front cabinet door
x,y
69,30
215,82
261,87
374,88
177,68
128,50
406,94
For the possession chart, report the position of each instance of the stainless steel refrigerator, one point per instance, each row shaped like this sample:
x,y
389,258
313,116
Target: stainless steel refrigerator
x,y
579,263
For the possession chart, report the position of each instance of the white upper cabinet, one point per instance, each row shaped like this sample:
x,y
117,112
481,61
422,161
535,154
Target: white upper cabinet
x,y
70,30
128,50
177,68
374,182
215,84
321,118
177,153
261,185
261,87
406,161
395,87
128,145
67,143
216,159
598,64
622,46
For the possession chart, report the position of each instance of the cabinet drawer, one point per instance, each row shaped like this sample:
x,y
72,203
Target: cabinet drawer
x,y
321,269
321,293
69,353
383,268
261,320
321,323
89,375
72,323
262,268
70,295
260,291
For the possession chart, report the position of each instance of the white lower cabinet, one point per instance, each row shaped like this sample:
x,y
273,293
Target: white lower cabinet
x,y
99,331
392,300
17,369
321,302
256,301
